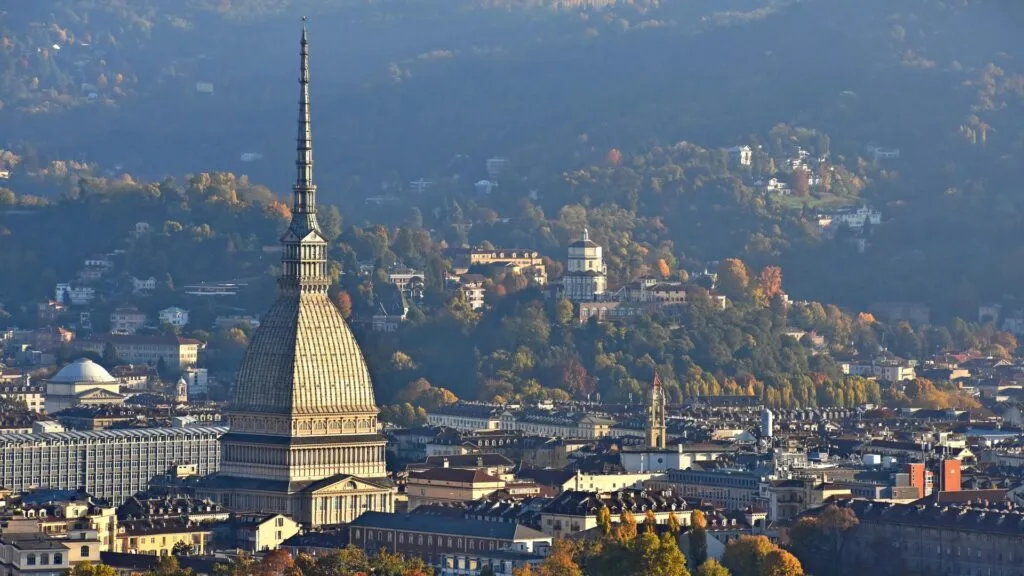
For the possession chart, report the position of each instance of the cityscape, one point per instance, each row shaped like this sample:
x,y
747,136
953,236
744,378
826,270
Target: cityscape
x,y
493,367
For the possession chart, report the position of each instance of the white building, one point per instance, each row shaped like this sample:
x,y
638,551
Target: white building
x,y
74,295
884,370
198,381
177,317
143,285
741,155
126,320
853,218
586,277
484,187
495,166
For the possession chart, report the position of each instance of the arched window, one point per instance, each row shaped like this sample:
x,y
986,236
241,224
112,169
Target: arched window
x,y
44,559
84,552
58,558
31,559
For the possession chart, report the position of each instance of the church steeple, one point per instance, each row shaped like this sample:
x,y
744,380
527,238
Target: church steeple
x,y
304,260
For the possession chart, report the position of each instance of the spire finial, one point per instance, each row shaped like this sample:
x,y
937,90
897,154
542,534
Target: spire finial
x,y
305,191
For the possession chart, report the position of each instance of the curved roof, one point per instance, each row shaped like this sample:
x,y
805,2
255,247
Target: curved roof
x,y
83,370
303,359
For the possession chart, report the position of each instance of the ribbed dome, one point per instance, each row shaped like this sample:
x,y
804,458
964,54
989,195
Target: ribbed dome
x,y
303,359
83,370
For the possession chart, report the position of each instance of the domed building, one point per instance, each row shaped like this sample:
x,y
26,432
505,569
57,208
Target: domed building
x,y
304,440
82,382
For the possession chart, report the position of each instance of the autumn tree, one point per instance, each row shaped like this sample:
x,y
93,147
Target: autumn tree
x,y
663,268
712,568
769,283
743,556
523,570
778,562
276,563
660,556
344,303
561,561
613,157
733,278
698,538
627,527
90,569
650,521
604,521
674,526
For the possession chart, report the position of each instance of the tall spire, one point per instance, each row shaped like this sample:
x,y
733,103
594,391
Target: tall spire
x,y
305,190
304,259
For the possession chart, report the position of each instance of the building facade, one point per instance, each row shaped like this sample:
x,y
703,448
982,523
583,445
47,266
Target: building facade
x,y
303,439
22,390
432,538
176,352
935,539
725,488
109,464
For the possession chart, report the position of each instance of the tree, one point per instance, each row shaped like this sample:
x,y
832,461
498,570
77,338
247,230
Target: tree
x,y
523,570
712,568
330,221
613,157
663,268
698,538
344,303
604,521
660,556
674,526
627,527
181,548
769,282
276,563
561,561
650,521
744,555
733,278
564,312
90,569
778,562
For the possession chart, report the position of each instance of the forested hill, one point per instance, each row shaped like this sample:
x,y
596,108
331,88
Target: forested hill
x,y
404,86
407,89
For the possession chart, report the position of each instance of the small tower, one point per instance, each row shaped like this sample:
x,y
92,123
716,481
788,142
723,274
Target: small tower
x,y
656,415
181,392
767,423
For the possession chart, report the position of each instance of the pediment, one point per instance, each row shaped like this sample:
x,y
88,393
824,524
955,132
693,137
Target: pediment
x,y
98,394
342,485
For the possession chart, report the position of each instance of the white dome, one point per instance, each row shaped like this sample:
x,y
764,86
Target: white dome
x,y
83,370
